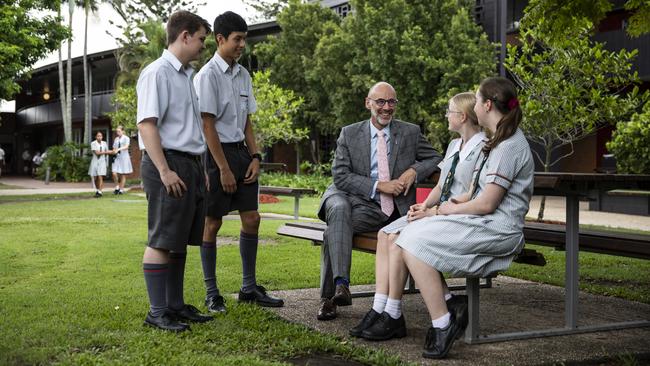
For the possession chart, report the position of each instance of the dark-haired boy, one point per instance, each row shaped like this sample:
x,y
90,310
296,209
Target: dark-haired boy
x,y
169,123
226,101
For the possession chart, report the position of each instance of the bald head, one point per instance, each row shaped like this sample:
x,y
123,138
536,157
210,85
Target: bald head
x,y
381,103
382,88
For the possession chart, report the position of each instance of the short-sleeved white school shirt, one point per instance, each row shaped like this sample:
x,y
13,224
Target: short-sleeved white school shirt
x,y
165,91
227,93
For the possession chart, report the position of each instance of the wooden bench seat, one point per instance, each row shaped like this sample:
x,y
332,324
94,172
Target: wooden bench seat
x,y
367,242
296,193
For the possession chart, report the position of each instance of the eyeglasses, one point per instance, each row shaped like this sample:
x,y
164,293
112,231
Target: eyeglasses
x,y
448,112
381,102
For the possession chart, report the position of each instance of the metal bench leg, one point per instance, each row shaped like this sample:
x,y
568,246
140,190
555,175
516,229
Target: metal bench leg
x,y
410,286
472,331
296,207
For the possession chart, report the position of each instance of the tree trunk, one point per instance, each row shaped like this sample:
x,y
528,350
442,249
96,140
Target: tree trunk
x,y
87,89
62,94
298,157
547,168
67,129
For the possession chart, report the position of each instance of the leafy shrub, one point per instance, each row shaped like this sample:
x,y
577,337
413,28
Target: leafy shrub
x,y
66,163
631,143
319,182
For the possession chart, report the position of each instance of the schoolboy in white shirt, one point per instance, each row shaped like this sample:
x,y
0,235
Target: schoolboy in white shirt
x,y
233,161
169,123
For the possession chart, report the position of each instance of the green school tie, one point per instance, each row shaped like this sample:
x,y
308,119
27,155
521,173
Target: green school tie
x,y
449,180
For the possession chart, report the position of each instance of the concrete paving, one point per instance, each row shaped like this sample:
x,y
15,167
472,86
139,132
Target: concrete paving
x,y
27,186
510,305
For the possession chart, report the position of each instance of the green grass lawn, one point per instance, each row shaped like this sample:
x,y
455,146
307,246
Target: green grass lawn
x,y
71,288
71,292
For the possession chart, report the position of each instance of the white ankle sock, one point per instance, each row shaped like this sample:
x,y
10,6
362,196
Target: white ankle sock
x,y
448,296
441,322
379,304
394,308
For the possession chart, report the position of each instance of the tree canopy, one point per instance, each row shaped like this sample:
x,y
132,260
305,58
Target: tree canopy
x,y
25,38
426,49
276,108
569,88
557,18
631,143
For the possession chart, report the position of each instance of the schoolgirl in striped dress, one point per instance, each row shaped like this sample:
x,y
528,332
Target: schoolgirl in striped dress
x,y
481,232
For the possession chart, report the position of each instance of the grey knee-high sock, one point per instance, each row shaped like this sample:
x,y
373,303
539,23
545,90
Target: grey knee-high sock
x,y
175,298
209,264
248,252
155,277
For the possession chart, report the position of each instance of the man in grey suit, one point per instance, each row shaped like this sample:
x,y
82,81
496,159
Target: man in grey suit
x,y
376,163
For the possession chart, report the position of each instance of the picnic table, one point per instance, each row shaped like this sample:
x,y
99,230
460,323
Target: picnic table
x,y
573,186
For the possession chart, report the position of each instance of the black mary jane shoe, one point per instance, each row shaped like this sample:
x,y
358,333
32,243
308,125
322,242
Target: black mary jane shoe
x,y
385,328
439,340
367,321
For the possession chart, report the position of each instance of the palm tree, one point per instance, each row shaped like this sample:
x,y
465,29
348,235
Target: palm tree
x,y
65,85
89,6
138,53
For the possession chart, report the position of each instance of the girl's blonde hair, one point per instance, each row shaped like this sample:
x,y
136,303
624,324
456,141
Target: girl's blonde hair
x,y
465,103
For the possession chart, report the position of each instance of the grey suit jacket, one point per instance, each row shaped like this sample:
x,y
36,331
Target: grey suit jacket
x,y
351,167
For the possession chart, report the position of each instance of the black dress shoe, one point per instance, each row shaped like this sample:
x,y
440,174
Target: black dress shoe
x,y
327,310
342,296
457,305
215,304
189,313
439,341
165,322
366,322
385,328
260,297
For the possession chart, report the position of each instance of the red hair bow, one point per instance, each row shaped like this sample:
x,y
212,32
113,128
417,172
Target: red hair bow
x,y
513,103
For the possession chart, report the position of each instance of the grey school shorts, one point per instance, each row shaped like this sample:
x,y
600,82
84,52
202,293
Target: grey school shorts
x,y
174,223
245,198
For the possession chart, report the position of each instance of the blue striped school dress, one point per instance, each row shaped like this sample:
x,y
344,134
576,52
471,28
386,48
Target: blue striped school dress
x,y
462,175
475,245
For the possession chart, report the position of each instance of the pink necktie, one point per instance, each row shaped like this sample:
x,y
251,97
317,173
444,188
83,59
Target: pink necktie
x,y
385,199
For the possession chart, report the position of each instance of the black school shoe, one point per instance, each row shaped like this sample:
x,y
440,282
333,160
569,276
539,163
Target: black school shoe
x,y
165,322
368,320
260,297
215,304
189,313
385,328
457,305
439,341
